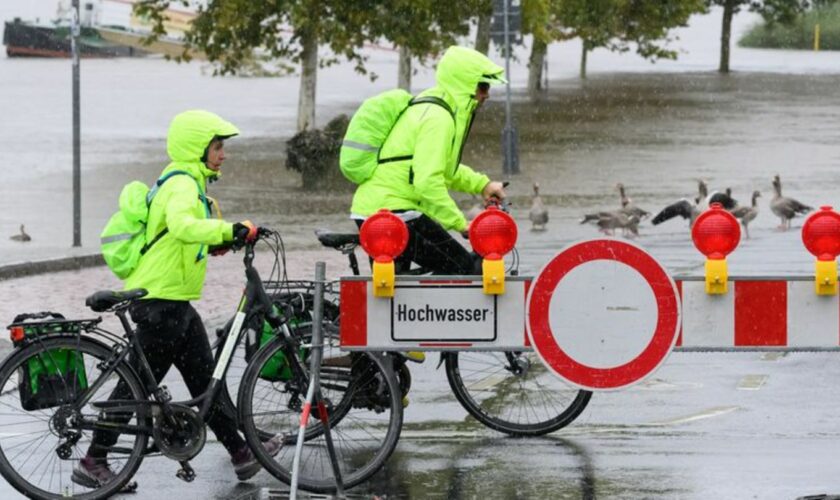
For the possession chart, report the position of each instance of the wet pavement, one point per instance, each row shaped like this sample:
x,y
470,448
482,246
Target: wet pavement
x,y
694,431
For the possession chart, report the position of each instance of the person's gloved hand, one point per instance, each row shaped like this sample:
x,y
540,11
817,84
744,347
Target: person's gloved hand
x,y
244,232
493,189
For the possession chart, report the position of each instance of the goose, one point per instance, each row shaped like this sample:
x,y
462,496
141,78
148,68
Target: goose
x,y
785,208
685,208
538,213
706,199
608,222
22,237
747,214
627,206
725,199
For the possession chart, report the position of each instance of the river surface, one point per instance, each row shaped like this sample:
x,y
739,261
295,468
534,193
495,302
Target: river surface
x,y
657,128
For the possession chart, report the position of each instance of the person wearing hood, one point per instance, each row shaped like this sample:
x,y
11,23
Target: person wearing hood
x,y
172,270
420,162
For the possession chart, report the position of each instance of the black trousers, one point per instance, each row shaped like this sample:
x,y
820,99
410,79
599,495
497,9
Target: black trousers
x,y
172,333
431,246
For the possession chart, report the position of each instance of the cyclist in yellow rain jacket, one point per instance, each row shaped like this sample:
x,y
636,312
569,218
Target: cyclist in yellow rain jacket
x,y
169,329
420,162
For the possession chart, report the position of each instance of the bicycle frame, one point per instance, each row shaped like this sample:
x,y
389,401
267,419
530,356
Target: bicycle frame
x,y
254,301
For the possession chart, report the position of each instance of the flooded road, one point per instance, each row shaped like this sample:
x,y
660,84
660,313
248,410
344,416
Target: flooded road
x,y
656,128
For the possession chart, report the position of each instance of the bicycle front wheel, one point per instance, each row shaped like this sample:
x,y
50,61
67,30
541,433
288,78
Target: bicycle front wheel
x,y
512,392
363,403
42,440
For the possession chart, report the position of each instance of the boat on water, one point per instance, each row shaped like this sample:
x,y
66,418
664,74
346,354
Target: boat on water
x,y
27,39
109,28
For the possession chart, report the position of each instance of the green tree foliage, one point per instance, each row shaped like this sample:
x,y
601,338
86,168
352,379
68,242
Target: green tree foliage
x,y
773,11
800,33
621,24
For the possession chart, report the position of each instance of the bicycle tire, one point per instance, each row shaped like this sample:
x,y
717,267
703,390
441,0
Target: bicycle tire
x,y
369,407
94,354
508,403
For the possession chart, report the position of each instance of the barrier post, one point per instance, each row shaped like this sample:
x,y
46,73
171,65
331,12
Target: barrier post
x,y
313,392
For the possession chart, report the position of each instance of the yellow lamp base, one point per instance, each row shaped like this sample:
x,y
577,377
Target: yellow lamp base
x,y
383,279
493,276
717,276
825,281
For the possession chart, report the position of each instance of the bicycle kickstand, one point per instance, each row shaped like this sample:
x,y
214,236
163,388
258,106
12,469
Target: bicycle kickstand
x,y
186,472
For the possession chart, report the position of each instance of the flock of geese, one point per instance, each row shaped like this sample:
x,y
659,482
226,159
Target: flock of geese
x,y
628,216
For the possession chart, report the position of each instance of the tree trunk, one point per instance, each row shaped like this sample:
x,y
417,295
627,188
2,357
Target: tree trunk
x,y
308,79
583,53
726,31
404,71
482,35
536,63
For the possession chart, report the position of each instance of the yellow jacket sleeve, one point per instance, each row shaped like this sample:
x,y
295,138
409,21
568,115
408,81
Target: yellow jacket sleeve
x,y
431,155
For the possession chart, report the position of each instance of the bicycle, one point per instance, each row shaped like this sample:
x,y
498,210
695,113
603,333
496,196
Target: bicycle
x,y
510,392
55,390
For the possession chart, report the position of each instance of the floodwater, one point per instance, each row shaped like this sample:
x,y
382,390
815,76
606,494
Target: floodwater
x,y
657,128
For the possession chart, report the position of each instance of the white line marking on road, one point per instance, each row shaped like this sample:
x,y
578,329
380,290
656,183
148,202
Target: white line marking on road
x,y
752,382
709,413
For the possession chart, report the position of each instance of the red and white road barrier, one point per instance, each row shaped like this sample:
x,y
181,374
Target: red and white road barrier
x,y
602,314
759,313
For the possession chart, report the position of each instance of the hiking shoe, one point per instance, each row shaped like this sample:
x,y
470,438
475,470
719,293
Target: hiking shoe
x,y
95,473
246,465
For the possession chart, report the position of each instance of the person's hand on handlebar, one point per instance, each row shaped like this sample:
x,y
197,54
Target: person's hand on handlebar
x,y
493,189
244,232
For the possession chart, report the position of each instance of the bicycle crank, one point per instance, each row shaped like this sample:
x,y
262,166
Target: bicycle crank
x,y
180,437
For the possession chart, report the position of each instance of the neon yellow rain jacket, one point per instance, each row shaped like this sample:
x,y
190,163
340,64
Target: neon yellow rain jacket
x,y
435,140
175,266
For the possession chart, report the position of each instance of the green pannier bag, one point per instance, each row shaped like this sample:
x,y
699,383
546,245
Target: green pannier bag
x,y
369,128
123,241
276,369
54,377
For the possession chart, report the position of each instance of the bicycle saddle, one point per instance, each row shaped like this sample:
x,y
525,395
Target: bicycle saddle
x,y
103,300
336,240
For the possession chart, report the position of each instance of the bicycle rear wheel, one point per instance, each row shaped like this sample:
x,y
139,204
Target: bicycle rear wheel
x,y
364,406
39,448
512,392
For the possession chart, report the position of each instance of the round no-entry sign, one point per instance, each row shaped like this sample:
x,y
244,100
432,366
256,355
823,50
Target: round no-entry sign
x,y
603,314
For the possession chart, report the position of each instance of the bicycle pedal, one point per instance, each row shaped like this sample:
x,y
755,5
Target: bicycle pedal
x,y
185,473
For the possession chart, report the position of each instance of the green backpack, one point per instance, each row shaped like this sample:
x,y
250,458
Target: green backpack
x,y
123,240
370,126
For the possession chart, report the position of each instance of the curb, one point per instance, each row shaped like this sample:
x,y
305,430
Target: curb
x,y
21,269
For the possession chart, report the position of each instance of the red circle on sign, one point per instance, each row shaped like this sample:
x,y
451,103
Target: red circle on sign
x,y
582,375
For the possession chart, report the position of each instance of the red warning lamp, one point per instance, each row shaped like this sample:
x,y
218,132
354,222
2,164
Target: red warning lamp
x,y
716,234
384,237
493,234
821,236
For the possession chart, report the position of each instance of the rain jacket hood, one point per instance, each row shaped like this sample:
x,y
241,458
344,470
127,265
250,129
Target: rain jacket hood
x,y
189,135
461,69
